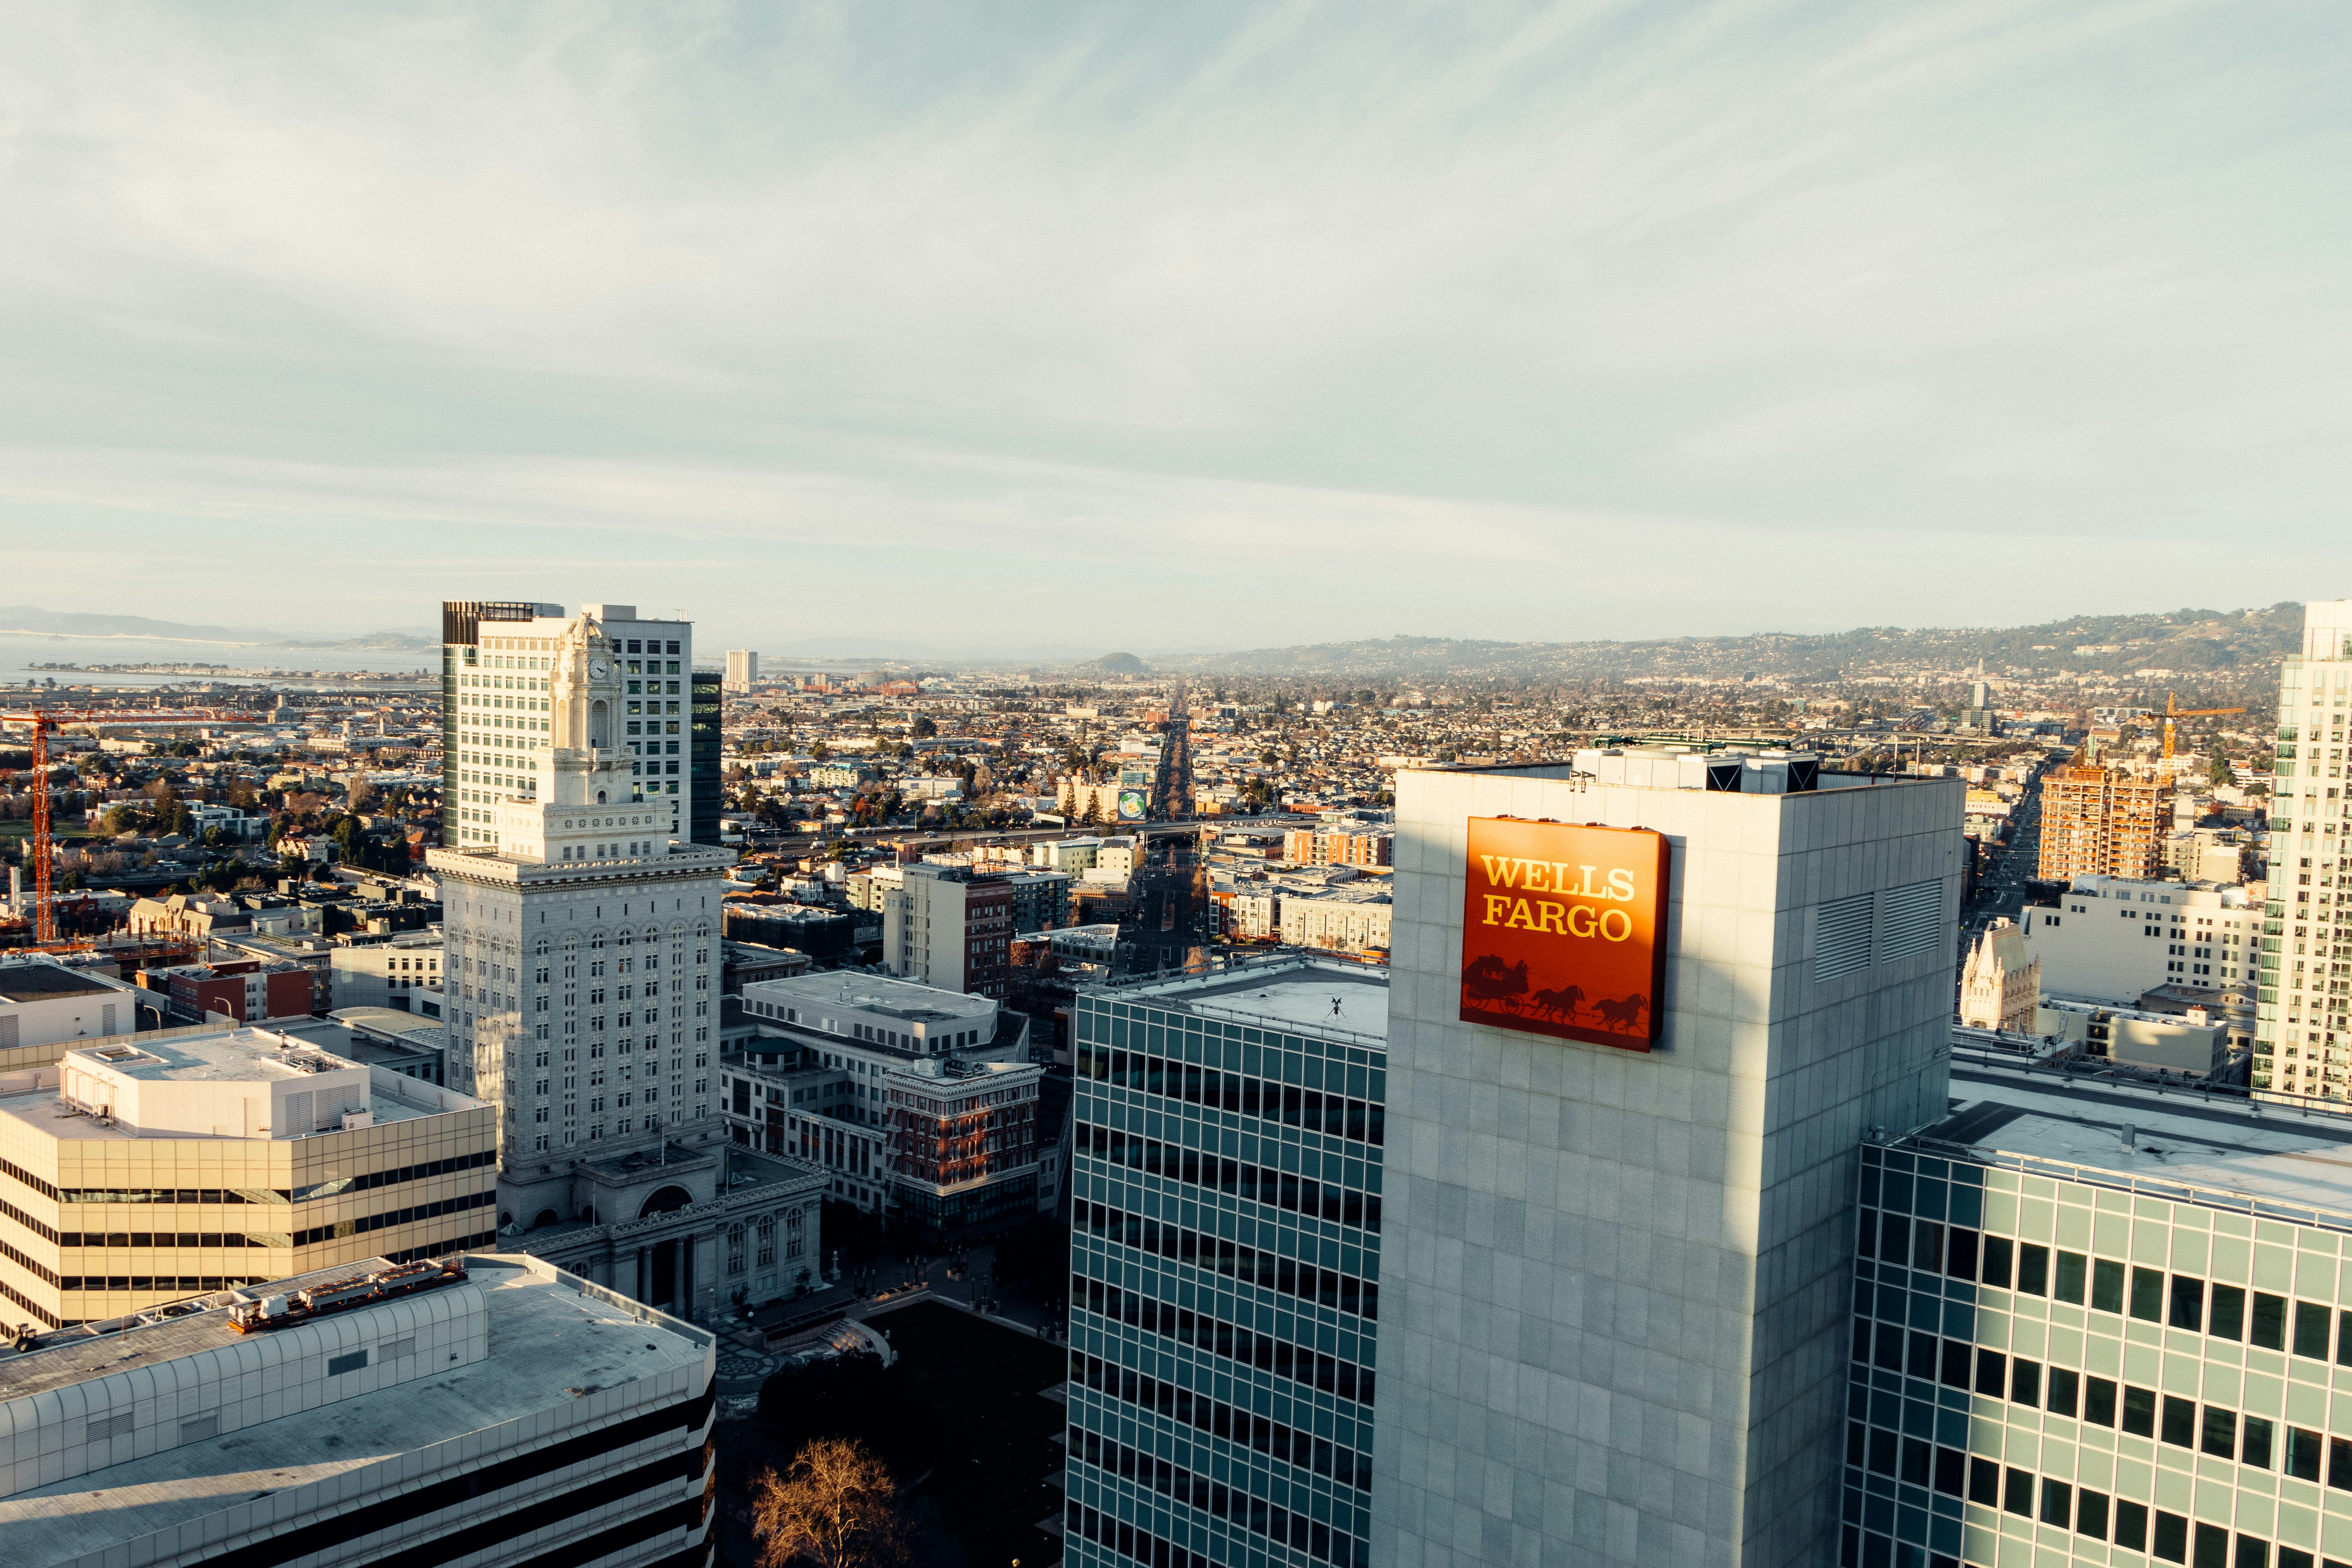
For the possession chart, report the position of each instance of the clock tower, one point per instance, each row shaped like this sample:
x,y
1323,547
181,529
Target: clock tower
x,y
586,687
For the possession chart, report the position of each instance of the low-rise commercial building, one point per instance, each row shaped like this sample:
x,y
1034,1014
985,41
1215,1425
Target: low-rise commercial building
x,y
43,1003
816,1084
402,974
246,990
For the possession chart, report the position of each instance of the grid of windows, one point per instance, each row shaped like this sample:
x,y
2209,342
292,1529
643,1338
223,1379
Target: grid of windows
x,y
2036,1353
1226,1186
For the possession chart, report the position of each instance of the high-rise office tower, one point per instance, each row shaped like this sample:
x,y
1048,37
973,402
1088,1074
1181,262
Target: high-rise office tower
x,y
1225,1261
1644,1008
2097,822
706,789
742,668
581,970
496,661
2303,1014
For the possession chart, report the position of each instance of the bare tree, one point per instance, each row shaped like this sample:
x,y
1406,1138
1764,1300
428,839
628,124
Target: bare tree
x,y
838,1509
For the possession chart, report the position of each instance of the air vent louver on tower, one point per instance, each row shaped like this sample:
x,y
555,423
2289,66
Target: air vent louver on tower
x,y
1914,919
1842,937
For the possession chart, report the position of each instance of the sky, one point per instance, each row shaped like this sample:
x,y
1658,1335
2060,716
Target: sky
x,y
982,327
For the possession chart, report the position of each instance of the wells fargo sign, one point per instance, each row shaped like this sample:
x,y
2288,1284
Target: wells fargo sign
x,y
1561,930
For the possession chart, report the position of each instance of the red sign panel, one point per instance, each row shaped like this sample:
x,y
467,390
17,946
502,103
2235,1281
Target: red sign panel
x,y
1563,931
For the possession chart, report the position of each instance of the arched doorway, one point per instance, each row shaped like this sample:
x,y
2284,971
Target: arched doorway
x,y
664,1201
546,1217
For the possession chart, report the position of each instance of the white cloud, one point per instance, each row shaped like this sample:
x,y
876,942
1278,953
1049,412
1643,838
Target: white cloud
x,y
1430,291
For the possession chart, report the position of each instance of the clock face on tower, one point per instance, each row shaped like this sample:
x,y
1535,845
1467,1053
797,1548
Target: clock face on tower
x,y
598,669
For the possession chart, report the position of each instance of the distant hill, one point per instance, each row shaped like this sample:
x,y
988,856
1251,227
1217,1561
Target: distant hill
x,y
389,642
79,624
2188,642
68,623
1117,664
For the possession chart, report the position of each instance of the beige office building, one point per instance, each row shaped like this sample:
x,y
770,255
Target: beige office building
x,y
149,1168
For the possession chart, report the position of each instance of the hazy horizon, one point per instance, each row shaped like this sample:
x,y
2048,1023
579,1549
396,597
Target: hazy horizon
x,y
1208,329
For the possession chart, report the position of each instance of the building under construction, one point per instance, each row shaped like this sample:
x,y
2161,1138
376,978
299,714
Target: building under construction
x,y
2097,822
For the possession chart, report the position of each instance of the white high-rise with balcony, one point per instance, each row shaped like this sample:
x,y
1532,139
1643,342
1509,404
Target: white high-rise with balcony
x,y
2303,1019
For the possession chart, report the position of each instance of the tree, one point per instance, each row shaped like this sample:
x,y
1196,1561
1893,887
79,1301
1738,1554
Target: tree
x,y
2217,770
923,728
837,1508
361,798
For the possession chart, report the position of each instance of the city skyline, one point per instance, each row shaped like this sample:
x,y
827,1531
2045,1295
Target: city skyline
x,y
1703,325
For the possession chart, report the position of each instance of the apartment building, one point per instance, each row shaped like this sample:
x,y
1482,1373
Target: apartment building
x,y
248,989
1339,847
1346,920
2100,822
2113,939
946,926
2303,1037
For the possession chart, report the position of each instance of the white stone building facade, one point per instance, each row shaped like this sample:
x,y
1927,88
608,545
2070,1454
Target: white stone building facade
x,y
581,981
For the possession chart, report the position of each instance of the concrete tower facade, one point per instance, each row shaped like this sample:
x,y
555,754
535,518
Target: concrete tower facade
x,y
1616,1282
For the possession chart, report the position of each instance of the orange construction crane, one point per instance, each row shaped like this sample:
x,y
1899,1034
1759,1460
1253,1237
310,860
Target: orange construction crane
x,y
2170,713
42,850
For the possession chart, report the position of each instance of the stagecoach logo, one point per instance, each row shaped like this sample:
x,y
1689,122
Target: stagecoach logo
x,y
1560,931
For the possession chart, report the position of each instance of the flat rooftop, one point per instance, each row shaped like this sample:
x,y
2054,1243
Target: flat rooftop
x,y
49,983
548,1343
1305,995
238,1055
231,1056
874,993
2225,1149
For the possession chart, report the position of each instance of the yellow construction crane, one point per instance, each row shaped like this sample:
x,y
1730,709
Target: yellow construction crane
x,y
2171,712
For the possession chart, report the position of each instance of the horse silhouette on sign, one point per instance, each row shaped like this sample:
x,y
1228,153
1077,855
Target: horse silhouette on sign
x,y
1624,1014
1561,1003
